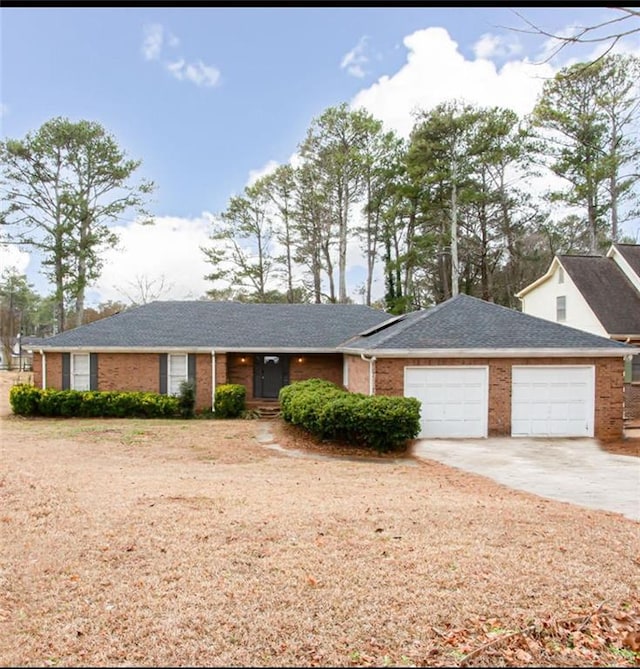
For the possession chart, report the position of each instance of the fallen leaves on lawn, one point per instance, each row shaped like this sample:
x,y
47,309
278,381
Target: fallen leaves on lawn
x,y
608,635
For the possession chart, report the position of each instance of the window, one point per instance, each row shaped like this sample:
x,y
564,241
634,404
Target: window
x,y
560,275
561,308
80,379
176,372
635,369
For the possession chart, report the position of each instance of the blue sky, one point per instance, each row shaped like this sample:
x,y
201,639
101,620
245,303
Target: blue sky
x,y
209,97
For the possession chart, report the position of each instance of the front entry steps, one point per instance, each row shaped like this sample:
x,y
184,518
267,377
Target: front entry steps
x,y
264,408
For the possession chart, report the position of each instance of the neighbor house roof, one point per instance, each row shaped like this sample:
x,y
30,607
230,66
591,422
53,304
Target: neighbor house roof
x,y
465,325
631,253
611,296
233,326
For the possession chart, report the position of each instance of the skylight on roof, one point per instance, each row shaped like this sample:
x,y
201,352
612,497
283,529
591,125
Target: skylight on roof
x,y
382,326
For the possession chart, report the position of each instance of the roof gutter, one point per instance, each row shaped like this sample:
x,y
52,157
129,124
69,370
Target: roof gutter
x,y
44,369
184,349
493,352
371,362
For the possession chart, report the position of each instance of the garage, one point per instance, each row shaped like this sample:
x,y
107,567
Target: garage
x,y
454,400
552,401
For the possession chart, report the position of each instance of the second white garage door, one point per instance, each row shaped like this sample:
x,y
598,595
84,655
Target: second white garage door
x,y
552,401
454,400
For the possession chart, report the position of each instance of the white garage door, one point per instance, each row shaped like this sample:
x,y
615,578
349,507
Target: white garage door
x,y
454,400
552,401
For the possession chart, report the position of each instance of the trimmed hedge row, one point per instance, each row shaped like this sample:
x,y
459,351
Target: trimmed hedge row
x,y
381,422
27,400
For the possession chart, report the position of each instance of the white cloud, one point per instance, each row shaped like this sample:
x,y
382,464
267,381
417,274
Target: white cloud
x,y
152,43
197,73
493,45
436,71
254,175
169,250
12,258
4,109
355,60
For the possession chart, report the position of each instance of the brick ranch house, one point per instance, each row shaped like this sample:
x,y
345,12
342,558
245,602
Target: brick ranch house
x,y
478,369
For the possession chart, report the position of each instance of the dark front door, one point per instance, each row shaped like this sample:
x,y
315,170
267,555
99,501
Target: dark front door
x,y
271,375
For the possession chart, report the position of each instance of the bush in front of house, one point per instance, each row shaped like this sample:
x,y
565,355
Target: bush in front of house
x,y
229,400
24,399
27,400
381,422
187,399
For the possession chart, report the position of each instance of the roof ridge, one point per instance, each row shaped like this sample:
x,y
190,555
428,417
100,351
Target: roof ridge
x,y
582,255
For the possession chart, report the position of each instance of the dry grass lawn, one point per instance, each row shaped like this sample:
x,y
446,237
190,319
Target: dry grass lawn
x,y
193,543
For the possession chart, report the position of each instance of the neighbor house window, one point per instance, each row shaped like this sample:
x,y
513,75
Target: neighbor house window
x,y
560,275
635,369
80,377
176,372
561,308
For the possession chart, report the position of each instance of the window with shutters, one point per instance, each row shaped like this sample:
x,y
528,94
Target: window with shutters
x,y
80,368
177,372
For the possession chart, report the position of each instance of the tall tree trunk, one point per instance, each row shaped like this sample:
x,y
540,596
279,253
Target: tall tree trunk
x,y
454,236
613,180
342,247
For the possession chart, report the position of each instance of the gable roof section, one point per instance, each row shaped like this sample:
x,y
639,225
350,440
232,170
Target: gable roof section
x,y
631,253
465,325
232,326
541,279
611,296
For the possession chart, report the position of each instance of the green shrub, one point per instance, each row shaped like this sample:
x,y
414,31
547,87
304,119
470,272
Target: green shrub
x,y
229,400
31,401
292,391
187,399
380,422
23,398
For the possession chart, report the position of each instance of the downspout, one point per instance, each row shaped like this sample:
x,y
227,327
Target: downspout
x,y
44,369
213,381
370,360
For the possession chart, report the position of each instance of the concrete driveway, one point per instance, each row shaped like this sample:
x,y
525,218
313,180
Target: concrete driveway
x,y
577,471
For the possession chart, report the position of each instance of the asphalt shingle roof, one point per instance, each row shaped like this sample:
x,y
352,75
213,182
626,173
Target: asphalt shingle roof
x,y
465,322
224,326
612,297
631,253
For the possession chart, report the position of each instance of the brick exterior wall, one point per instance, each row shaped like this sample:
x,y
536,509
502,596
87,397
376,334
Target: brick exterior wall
x,y
140,371
37,369
241,372
204,398
301,367
358,371
128,371
316,366
609,373
632,401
